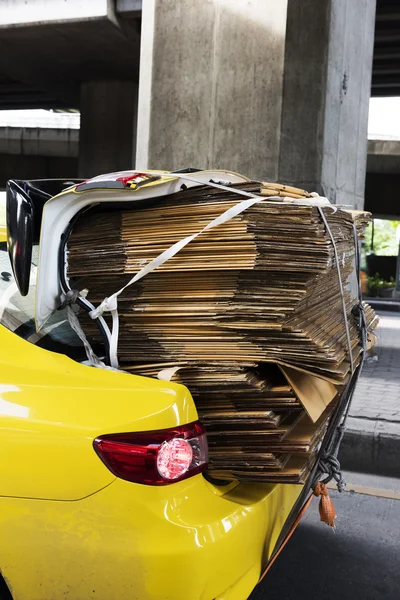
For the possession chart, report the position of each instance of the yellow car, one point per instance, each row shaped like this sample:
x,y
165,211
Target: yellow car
x,y
103,481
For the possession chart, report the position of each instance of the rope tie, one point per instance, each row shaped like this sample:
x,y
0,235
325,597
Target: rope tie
x,y
68,300
346,322
328,462
331,466
111,305
358,312
327,511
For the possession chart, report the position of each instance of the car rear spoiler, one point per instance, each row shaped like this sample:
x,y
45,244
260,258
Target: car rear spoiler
x,y
24,207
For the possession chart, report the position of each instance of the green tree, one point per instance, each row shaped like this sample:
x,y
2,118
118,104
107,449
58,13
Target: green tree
x,y
385,240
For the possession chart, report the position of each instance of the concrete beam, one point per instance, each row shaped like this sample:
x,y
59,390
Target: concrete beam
x,y
13,166
382,194
41,12
382,54
383,178
384,91
384,147
383,156
128,8
387,35
37,141
34,153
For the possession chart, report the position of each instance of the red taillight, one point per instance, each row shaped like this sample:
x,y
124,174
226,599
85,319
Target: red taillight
x,y
155,457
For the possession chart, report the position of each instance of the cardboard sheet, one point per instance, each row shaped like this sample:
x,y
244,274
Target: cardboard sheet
x,y
314,393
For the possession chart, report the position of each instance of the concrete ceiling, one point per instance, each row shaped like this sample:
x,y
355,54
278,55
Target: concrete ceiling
x,y
386,66
42,64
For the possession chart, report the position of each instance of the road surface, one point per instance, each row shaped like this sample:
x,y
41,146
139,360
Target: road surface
x,y
359,561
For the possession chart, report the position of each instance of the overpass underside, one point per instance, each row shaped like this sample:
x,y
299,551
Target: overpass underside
x,y
386,65
277,90
38,152
382,190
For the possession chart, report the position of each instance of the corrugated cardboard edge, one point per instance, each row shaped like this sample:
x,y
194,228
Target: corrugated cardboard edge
x,y
314,393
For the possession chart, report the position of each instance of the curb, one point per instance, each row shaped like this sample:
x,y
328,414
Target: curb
x,y
373,452
391,305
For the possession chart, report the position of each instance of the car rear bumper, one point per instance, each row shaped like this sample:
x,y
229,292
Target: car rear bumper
x,y
189,540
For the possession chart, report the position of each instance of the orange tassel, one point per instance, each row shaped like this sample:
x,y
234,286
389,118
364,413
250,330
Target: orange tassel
x,y
327,511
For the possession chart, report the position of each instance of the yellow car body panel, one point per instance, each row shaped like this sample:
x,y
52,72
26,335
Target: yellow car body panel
x,y
69,527
177,542
3,233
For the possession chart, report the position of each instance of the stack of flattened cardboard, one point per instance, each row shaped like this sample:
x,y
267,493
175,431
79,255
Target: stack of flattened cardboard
x,y
262,423
258,291
271,457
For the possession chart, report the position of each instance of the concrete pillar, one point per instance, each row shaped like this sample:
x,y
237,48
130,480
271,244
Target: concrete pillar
x,y
327,82
210,84
275,90
108,127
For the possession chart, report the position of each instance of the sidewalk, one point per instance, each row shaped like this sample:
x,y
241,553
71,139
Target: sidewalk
x,y
372,440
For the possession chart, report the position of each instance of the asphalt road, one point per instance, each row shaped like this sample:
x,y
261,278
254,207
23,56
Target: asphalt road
x,y
360,560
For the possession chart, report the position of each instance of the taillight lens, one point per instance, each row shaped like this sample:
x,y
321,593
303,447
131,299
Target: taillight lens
x,y
155,457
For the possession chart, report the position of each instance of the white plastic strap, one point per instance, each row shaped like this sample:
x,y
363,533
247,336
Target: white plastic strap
x,y
111,304
93,359
167,374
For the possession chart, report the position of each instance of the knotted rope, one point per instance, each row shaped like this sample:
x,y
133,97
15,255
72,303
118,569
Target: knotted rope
x,y
67,301
328,463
